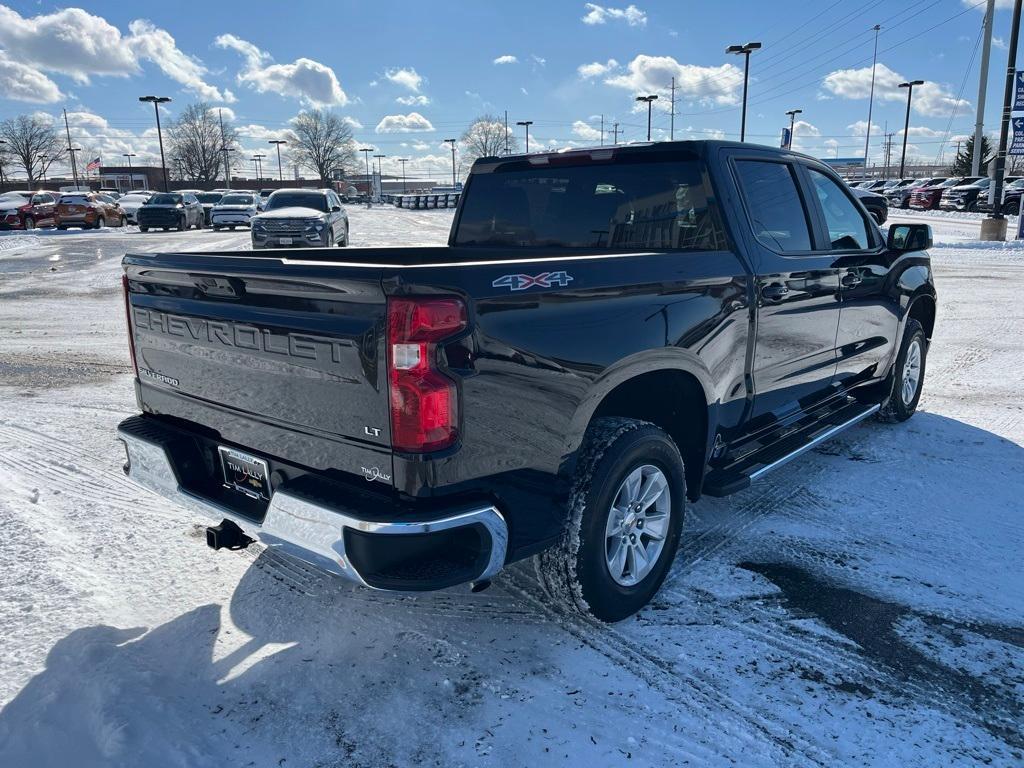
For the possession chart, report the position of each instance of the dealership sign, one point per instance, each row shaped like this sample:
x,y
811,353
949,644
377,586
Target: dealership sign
x,y
1017,145
1018,91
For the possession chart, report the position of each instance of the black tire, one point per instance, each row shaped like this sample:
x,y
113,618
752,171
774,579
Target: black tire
x,y
330,239
896,407
29,224
216,227
201,223
143,229
101,223
182,223
1010,209
972,207
344,242
123,222
232,227
62,227
575,571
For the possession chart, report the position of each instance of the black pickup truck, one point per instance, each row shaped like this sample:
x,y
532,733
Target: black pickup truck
x,y
609,333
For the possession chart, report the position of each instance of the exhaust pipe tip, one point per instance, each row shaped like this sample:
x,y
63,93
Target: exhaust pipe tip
x,y
479,586
227,535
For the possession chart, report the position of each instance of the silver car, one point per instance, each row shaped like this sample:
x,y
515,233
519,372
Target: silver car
x,y
235,209
301,218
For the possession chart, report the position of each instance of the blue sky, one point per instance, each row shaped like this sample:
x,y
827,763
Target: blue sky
x,y
409,74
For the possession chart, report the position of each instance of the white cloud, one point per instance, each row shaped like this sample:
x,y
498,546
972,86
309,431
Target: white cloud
x,y
508,58
414,101
411,123
859,128
707,85
540,61
408,78
803,128
586,132
304,79
20,82
596,69
597,14
930,99
420,146
78,44
355,124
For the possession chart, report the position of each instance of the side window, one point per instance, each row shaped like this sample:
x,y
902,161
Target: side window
x,y
776,210
847,228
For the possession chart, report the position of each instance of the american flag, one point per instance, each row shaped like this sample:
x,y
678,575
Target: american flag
x,y
93,165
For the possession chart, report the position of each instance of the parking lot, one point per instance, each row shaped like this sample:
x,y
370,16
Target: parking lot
x,y
860,606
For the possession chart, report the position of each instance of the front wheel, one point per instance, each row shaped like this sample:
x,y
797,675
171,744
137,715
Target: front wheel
x,y
182,224
143,229
908,375
343,243
100,223
625,519
29,224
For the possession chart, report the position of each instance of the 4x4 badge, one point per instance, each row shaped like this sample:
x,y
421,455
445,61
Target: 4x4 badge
x,y
543,280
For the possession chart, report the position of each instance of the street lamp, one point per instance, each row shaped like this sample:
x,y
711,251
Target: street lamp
x,y
259,165
746,50
42,166
227,164
906,125
366,156
792,124
278,143
649,99
452,142
403,161
526,124
131,178
156,101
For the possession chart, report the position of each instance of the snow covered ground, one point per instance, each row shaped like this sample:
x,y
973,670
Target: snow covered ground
x,y
862,606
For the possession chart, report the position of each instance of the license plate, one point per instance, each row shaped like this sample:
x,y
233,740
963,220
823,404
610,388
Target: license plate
x,y
245,473
285,240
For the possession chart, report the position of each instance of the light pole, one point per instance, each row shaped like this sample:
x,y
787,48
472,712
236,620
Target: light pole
x,y
278,143
227,164
452,142
403,161
156,101
650,100
42,166
258,157
994,227
871,100
792,124
131,178
366,155
526,124
746,50
906,125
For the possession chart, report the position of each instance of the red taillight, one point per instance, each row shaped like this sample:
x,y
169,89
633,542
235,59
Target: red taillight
x,y
128,320
424,402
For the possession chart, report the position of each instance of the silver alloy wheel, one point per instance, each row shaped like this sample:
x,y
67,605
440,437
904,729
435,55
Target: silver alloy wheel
x,y
638,524
911,372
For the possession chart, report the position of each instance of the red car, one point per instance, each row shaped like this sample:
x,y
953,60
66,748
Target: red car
x,y
28,210
89,210
927,198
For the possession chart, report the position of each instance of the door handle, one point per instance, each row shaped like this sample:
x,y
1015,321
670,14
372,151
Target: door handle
x,y
851,280
774,292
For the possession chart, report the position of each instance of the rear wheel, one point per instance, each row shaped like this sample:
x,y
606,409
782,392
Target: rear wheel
x,y
30,224
100,223
123,222
625,519
907,375
1010,209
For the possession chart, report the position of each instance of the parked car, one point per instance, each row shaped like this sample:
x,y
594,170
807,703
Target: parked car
x,y
234,209
131,203
208,200
900,196
301,218
609,334
964,197
876,204
264,195
1011,197
89,211
171,210
25,209
927,198
112,192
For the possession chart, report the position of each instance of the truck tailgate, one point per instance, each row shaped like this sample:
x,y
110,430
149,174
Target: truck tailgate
x,y
235,342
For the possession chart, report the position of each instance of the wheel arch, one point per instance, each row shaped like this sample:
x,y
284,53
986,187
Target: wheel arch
x,y
672,397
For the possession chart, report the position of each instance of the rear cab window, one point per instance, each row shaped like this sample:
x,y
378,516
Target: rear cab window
x,y
627,203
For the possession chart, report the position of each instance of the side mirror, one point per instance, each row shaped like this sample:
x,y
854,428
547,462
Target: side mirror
x,y
335,208
909,237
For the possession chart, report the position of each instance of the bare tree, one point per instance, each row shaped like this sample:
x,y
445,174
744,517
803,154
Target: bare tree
x,y
322,141
485,137
32,143
197,143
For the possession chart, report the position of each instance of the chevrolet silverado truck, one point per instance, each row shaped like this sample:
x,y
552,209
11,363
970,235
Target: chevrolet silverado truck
x,y
608,335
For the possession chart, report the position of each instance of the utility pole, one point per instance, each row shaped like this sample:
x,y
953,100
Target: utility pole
x,y
74,165
156,101
380,171
506,131
602,130
672,124
224,149
994,226
906,125
278,143
979,121
526,124
746,50
366,155
871,99
615,134
650,100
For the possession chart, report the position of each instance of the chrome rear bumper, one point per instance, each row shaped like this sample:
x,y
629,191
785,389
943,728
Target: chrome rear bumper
x,y
314,532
